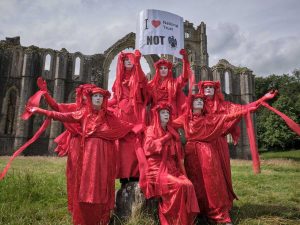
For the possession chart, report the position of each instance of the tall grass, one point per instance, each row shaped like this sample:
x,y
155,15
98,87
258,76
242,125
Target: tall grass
x,y
34,192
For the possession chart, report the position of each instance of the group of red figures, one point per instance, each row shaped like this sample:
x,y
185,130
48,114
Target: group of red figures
x,y
134,135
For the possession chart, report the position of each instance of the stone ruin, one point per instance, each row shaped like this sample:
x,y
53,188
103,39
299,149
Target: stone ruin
x,y
64,71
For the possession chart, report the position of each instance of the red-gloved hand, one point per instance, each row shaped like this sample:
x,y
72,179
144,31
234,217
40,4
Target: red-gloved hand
x,y
41,83
138,128
165,138
138,55
184,54
271,94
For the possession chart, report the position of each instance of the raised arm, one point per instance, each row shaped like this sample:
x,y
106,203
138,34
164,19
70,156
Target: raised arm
x,y
271,94
184,77
43,87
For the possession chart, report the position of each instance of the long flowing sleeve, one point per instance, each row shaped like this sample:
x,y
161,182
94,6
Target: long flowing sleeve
x,y
70,117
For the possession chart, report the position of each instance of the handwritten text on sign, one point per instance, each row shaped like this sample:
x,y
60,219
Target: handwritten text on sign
x,y
159,32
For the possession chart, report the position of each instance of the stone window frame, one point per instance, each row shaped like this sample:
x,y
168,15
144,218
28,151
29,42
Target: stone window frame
x,y
4,121
48,73
76,56
228,73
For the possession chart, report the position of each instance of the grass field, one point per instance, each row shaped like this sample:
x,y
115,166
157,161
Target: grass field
x,y
34,191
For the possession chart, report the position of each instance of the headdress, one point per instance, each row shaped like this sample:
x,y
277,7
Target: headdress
x,y
157,129
218,96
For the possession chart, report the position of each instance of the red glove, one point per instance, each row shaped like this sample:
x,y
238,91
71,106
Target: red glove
x,y
271,94
138,128
165,138
184,55
41,83
137,57
137,54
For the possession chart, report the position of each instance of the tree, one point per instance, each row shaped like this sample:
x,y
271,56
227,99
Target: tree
x,y
272,131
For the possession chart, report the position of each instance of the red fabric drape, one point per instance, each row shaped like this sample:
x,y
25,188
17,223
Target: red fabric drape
x,y
292,124
33,101
24,146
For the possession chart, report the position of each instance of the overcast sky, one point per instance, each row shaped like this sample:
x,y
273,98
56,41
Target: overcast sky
x,y
263,35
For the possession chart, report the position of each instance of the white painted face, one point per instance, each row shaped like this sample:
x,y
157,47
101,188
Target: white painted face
x,y
97,99
164,115
127,63
163,71
209,91
198,103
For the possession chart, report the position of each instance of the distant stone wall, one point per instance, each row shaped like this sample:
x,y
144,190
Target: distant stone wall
x,y
20,66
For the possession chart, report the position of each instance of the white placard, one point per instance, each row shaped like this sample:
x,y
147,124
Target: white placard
x,y
159,32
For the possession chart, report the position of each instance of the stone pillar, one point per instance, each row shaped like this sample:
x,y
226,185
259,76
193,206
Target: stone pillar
x,y
58,94
218,75
25,92
203,45
246,97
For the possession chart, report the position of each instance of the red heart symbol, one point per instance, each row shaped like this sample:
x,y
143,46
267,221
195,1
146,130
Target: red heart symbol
x,y
155,23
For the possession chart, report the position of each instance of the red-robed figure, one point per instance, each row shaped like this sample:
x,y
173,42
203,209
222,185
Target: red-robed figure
x,y
96,165
215,105
68,143
128,102
164,172
163,88
202,161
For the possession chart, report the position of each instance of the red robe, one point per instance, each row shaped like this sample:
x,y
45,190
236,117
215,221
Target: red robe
x,y
221,144
125,110
160,92
68,143
128,103
164,179
96,165
202,162
168,89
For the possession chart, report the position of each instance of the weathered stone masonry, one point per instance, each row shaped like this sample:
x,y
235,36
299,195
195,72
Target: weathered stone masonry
x,y
20,66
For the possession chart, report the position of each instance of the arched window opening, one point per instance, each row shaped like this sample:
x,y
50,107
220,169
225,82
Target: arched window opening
x,y
47,62
227,82
204,74
187,34
77,66
10,113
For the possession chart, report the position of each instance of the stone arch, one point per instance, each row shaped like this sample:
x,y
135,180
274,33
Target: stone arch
x,y
126,42
204,73
10,111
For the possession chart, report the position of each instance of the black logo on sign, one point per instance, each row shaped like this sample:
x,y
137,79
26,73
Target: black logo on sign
x,y
172,41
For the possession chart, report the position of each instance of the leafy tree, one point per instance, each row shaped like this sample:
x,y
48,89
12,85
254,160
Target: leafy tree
x,y
272,131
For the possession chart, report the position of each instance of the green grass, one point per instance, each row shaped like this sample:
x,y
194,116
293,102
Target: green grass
x,y
34,192
293,154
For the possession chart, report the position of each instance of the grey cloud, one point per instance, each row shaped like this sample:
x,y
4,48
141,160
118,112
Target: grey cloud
x,y
224,37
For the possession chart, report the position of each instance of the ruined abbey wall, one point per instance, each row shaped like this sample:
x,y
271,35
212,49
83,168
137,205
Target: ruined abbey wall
x,y
64,71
